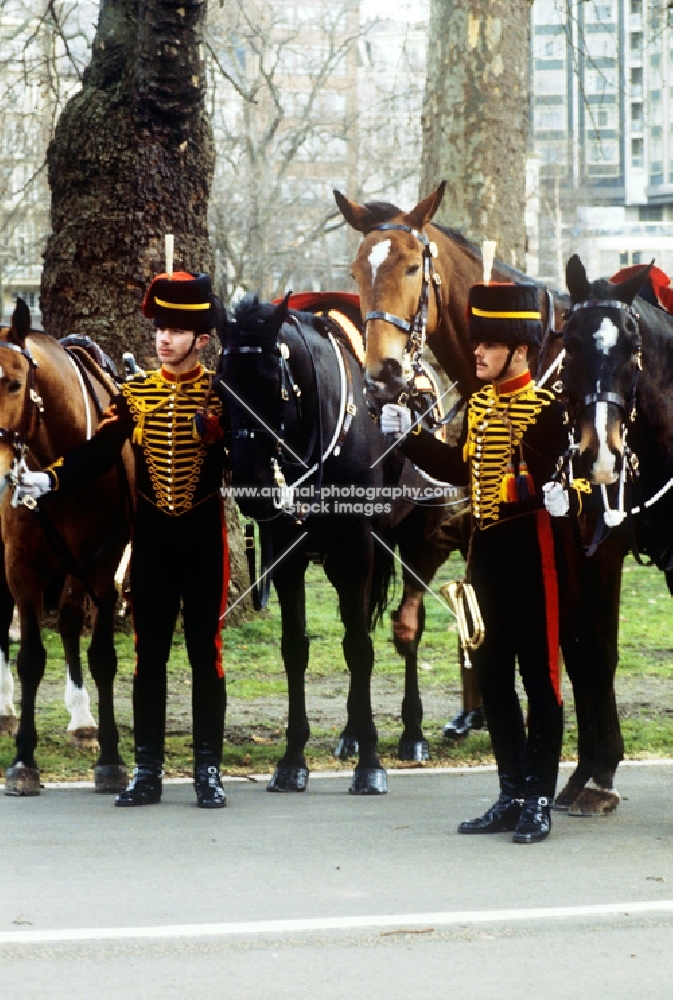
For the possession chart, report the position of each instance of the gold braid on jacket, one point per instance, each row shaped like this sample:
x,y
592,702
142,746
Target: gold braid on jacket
x,y
497,422
163,412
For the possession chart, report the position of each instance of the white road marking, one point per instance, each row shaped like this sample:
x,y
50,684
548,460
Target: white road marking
x,y
398,920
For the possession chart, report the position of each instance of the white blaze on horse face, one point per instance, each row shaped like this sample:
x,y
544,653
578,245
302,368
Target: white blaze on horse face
x,y
604,467
377,255
606,336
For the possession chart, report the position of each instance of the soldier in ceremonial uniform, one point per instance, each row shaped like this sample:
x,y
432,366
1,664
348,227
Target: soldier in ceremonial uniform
x,y
179,553
512,436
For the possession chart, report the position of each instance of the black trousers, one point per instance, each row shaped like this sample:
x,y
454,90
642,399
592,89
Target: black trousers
x,y
513,572
176,560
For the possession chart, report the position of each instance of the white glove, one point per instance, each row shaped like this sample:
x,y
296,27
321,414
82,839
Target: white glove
x,y
395,419
30,486
556,499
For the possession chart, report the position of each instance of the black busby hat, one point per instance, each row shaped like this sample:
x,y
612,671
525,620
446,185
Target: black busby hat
x,y
183,301
504,314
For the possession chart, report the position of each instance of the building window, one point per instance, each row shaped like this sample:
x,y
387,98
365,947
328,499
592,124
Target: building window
x,y
637,116
636,6
636,78
636,42
651,213
637,153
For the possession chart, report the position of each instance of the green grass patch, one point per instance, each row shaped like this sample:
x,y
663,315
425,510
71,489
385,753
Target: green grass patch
x,y
257,687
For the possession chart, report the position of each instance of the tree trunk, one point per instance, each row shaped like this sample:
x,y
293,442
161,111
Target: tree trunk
x,y
131,160
475,119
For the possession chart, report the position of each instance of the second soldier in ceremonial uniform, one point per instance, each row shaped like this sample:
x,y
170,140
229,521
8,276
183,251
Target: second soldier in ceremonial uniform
x,y
512,436
179,551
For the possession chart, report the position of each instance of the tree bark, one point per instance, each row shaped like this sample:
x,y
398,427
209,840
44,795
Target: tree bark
x,y
132,159
475,119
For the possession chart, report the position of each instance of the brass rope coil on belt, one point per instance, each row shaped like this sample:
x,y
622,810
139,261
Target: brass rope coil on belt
x,y
462,599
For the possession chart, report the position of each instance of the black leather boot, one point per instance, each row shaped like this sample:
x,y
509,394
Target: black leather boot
x,y
535,821
461,725
145,786
207,779
503,815
543,749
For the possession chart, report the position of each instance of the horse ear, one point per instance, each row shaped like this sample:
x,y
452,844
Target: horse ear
x,y
357,216
576,279
627,290
20,324
426,209
280,313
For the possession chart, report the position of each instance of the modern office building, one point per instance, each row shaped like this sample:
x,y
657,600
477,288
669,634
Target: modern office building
x,y
602,134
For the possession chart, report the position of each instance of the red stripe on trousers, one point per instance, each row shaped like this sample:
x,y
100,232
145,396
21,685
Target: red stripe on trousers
x,y
550,582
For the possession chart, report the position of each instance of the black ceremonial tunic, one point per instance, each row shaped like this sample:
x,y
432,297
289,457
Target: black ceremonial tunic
x,y
179,550
512,436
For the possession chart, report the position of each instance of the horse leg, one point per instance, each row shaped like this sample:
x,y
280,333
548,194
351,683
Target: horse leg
x,y
348,568
8,718
590,589
23,776
291,772
110,774
82,729
411,616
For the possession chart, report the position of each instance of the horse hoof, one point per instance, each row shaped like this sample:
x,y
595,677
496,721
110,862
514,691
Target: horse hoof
x,y
9,725
346,748
85,738
413,750
22,780
594,802
110,778
288,779
568,794
369,781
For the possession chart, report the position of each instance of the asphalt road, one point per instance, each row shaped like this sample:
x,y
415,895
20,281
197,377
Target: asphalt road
x,y
329,896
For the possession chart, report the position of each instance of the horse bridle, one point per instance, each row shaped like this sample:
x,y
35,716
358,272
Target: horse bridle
x,y
416,327
17,438
626,406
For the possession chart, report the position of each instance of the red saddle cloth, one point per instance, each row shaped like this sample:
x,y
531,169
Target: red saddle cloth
x,y
656,288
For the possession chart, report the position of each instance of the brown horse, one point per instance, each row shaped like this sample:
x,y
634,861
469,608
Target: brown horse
x,y
49,402
414,278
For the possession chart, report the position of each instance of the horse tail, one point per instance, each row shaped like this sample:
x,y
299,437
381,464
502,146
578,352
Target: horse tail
x,y
383,572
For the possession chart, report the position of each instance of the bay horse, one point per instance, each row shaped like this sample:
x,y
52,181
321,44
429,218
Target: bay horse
x,y
299,435
425,531
49,403
414,278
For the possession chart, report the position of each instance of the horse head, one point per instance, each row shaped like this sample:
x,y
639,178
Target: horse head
x,y
19,401
399,287
261,396
603,360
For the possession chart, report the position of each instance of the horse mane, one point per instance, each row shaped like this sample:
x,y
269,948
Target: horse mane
x,y
382,211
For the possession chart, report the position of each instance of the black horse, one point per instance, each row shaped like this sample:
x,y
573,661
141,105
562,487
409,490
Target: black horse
x,y
617,384
299,434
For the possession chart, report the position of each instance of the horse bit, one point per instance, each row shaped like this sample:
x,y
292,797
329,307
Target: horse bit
x,y
17,438
417,326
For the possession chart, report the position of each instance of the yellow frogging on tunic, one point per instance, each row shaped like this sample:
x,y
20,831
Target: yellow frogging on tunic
x,y
496,425
163,411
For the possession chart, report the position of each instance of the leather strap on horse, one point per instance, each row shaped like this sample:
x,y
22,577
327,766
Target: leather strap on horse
x,y
260,585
